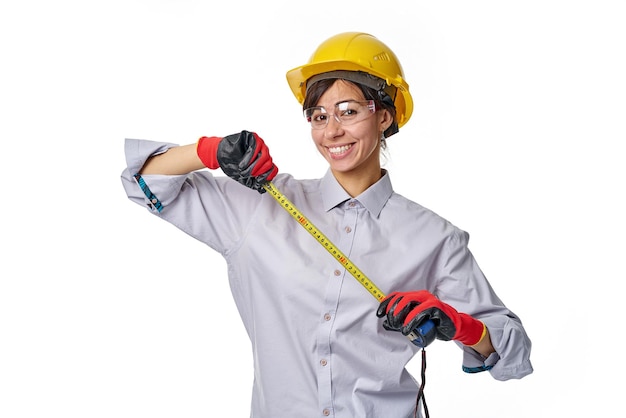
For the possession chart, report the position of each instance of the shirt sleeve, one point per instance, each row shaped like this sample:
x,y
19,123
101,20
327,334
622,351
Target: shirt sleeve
x,y
214,210
464,286
137,152
512,357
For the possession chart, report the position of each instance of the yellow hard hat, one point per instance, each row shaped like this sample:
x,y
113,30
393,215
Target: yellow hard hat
x,y
355,51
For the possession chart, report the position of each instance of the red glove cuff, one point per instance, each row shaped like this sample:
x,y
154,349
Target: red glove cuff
x,y
471,331
206,148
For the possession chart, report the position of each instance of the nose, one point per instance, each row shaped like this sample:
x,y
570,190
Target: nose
x,y
333,128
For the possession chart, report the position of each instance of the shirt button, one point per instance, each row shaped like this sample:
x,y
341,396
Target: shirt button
x,y
351,204
337,272
326,412
323,362
327,317
348,229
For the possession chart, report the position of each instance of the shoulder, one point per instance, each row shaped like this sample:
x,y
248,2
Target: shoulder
x,y
418,217
286,182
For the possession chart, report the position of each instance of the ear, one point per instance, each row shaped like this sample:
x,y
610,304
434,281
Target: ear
x,y
385,121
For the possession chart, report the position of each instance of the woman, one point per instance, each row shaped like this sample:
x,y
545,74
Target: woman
x,y
321,344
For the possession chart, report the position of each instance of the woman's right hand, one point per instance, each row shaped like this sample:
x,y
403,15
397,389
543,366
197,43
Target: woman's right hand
x,y
243,157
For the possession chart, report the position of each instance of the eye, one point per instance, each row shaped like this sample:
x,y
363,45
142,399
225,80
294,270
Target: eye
x,y
315,114
348,110
319,117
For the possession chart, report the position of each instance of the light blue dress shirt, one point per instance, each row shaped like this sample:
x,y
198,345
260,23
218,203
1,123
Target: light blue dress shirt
x,y
319,350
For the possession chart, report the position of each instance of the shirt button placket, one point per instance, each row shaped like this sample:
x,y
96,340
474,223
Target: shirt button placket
x,y
324,370
324,351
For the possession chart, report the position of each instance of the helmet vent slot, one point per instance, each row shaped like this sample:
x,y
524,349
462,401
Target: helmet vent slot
x,y
383,56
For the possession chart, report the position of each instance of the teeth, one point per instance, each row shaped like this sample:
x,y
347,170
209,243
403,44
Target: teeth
x,y
338,150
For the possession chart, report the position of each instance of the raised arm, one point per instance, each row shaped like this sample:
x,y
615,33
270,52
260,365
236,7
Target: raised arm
x,y
177,160
243,157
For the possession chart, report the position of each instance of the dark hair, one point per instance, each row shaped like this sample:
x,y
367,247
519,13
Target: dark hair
x,y
380,98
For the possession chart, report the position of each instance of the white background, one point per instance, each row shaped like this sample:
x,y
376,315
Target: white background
x,y
517,137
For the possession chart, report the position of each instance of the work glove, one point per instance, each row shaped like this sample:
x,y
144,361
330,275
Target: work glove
x,y
406,311
243,157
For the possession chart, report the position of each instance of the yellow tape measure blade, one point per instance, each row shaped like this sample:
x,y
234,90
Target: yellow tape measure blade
x,y
324,241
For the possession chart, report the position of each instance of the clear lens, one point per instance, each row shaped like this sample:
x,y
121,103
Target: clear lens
x,y
346,113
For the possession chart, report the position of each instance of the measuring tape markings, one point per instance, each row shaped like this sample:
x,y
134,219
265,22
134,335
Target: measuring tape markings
x,y
326,243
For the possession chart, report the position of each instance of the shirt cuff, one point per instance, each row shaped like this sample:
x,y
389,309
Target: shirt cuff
x,y
475,363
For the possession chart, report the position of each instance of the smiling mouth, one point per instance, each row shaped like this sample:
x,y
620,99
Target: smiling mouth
x,y
339,150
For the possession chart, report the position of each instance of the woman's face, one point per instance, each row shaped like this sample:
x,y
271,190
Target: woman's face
x,y
352,149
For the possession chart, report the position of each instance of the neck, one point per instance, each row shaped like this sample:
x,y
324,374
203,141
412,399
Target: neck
x,y
356,183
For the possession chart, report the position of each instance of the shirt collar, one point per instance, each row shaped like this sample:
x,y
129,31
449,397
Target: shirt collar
x,y
373,199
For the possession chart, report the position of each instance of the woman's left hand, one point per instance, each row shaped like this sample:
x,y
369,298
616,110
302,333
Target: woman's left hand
x,y
405,311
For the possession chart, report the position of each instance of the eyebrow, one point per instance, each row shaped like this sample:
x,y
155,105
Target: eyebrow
x,y
343,101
